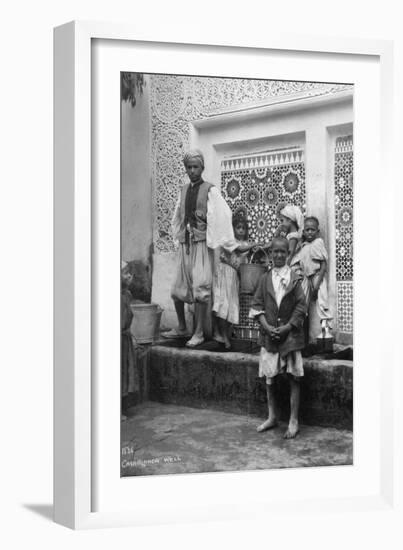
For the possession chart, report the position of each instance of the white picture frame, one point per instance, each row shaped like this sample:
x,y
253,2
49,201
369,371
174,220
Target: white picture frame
x,y
78,316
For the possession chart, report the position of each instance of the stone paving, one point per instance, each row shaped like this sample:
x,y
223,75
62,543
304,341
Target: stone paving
x,y
162,439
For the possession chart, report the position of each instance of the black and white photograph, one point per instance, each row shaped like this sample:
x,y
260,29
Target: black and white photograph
x,y
206,201
236,274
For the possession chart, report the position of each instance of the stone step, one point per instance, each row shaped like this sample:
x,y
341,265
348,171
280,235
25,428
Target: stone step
x,y
229,382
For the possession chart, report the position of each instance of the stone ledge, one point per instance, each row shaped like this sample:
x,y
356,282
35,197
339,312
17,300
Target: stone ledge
x,y
229,382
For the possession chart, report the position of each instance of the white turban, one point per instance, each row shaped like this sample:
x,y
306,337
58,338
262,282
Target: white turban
x,y
295,214
194,154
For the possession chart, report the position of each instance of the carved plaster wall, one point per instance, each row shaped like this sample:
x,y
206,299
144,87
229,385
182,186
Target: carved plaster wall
x,y
177,102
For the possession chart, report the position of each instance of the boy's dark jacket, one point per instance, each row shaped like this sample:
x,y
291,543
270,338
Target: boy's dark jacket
x,y
292,310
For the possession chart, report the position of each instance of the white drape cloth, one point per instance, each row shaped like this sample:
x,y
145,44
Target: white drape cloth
x,y
219,222
309,257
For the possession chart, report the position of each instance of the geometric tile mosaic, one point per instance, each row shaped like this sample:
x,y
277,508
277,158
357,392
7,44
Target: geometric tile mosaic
x,y
345,306
257,187
343,184
343,187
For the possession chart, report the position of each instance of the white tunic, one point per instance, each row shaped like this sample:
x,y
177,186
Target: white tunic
x,y
219,222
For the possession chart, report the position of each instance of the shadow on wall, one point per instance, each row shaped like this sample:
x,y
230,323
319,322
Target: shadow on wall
x,y
141,284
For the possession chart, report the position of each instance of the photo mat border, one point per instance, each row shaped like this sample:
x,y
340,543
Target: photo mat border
x,y
73,284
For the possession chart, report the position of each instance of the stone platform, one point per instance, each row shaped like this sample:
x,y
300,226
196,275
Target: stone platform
x,y
229,382
162,439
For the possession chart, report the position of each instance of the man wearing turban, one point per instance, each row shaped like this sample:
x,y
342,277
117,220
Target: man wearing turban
x,y
202,222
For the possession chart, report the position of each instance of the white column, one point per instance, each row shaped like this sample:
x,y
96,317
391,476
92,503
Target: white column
x,y
315,176
320,197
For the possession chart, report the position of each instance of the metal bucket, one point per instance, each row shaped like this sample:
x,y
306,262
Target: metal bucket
x,y
145,325
250,275
324,345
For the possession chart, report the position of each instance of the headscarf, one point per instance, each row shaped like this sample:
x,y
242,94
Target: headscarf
x,y
194,154
295,214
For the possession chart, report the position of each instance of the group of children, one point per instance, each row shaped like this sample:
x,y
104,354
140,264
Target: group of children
x,y
289,296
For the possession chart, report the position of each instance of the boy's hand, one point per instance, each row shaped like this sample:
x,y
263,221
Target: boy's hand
x,y
268,329
282,332
273,332
299,273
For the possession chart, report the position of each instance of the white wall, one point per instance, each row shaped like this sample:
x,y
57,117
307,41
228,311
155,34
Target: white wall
x,y
308,127
315,128
136,179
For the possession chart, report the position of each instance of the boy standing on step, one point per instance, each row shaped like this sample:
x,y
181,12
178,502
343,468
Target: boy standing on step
x,y
279,305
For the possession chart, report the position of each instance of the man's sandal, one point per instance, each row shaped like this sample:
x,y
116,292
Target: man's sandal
x,y
194,342
174,333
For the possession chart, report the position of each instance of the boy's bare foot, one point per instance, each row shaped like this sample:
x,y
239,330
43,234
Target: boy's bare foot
x,y
292,430
267,425
227,343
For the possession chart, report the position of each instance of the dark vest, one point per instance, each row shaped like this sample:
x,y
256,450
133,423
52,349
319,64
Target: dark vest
x,y
197,217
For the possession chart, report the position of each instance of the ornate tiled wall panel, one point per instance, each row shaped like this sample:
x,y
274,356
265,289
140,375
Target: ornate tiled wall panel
x,y
345,306
176,101
258,187
343,182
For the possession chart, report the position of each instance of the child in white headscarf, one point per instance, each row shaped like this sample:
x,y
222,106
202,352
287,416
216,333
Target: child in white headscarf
x,y
292,222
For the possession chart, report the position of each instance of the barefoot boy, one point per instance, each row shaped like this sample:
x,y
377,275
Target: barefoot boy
x,y
279,305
